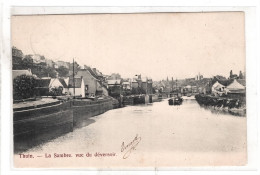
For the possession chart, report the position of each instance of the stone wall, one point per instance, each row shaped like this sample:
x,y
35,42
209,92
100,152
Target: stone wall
x,y
37,125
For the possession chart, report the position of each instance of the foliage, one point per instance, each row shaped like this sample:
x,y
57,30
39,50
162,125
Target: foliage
x,y
63,71
114,91
241,76
43,71
76,67
138,90
56,91
231,74
16,52
23,87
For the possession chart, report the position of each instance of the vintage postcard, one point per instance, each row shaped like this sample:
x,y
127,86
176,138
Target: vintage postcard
x,y
136,90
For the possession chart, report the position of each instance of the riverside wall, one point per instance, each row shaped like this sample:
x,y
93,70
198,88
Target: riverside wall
x,y
235,106
140,99
32,126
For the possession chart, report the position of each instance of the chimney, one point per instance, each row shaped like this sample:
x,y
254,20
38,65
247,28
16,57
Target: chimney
x,y
95,70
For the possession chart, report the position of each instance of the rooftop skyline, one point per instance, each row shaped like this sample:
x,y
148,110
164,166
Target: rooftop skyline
x,y
157,45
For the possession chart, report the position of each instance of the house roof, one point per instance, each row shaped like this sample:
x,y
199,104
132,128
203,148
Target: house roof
x,y
113,82
242,81
17,73
97,72
82,72
227,82
239,91
92,73
126,82
62,81
235,85
78,82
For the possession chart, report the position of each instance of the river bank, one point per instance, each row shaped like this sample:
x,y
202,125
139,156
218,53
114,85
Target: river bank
x,y
185,135
36,122
234,106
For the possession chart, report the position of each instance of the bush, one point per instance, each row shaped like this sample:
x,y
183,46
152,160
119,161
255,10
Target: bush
x,y
24,87
56,91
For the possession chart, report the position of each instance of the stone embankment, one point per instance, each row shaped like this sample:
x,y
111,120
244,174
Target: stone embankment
x,y
37,123
234,106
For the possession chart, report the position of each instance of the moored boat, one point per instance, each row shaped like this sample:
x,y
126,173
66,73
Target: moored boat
x,y
170,101
177,101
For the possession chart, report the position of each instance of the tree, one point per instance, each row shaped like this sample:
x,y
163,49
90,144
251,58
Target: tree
x,y
27,62
231,74
63,71
51,72
16,52
24,87
138,90
17,56
241,75
76,67
17,63
56,91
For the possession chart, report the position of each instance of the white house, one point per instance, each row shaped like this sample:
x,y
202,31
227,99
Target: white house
x,y
218,89
126,85
79,86
17,73
57,82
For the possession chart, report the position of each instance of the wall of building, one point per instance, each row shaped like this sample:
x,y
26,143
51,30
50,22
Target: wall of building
x,y
88,80
78,91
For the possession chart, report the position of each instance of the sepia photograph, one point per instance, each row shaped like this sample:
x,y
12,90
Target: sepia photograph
x,y
129,90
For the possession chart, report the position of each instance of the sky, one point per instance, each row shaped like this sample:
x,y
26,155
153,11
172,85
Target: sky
x,y
157,45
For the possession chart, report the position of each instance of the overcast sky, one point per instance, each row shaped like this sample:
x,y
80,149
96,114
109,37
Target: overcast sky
x,y
157,45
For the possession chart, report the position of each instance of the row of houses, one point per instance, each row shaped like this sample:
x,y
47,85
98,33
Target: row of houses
x,y
130,86
86,83
233,88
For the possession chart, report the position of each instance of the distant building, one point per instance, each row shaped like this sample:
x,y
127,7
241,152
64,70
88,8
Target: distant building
x,y
49,63
147,85
114,76
135,83
62,63
236,89
218,89
16,73
111,83
114,87
199,77
232,88
190,79
126,85
38,58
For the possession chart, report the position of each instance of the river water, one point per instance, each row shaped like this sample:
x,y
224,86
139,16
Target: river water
x,y
162,135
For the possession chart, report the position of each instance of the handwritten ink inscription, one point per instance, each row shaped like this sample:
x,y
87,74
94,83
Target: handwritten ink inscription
x,y
128,148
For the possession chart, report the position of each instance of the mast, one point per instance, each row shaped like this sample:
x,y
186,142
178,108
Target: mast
x,y
73,80
176,86
172,84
